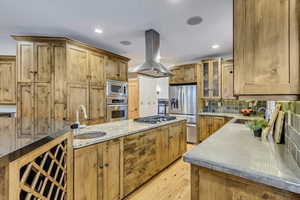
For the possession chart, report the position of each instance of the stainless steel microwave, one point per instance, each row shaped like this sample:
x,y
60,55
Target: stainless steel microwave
x,y
116,88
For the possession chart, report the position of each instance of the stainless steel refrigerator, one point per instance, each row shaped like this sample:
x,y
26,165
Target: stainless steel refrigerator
x,y
183,100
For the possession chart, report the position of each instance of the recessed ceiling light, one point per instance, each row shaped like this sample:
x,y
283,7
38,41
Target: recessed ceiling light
x,y
125,43
194,20
215,46
97,30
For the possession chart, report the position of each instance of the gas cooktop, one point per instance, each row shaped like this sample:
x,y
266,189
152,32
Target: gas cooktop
x,y
154,119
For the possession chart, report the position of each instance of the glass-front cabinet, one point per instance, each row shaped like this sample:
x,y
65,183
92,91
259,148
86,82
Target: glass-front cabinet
x,y
211,74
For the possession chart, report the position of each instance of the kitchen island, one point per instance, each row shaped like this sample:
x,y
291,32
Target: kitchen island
x,y
37,166
232,164
128,155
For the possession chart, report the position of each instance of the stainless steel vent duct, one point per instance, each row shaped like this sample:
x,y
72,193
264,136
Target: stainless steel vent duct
x,y
152,67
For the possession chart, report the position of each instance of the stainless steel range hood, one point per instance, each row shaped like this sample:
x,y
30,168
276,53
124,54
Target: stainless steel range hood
x,y
152,67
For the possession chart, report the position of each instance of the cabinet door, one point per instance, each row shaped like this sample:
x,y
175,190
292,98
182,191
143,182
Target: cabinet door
x,y
96,68
183,138
204,127
78,94
133,98
190,74
42,108
42,56
97,104
217,123
112,170
123,71
227,80
162,147
25,62
77,64
215,87
25,105
86,167
262,47
133,163
112,69
7,82
206,84
174,142
178,75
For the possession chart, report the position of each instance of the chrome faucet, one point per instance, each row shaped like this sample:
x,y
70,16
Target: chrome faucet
x,y
81,107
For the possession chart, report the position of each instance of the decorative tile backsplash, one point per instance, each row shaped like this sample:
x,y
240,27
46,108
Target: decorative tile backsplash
x,y
292,136
234,106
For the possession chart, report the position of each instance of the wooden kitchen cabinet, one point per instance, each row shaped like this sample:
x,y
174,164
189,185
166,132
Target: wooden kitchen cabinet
x,y
97,68
214,185
184,74
97,104
227,80
210,71
78,94
207,125
7,80
74,70
34,108
146,153
116,69
97,171
42,108
86,167
266,47
175,132
34,62
133,98
77,65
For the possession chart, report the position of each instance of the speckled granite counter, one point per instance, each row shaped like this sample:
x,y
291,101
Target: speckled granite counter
x,y
233,150
16,140
118,129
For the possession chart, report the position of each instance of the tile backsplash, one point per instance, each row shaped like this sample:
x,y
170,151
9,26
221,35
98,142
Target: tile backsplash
x,y
234,106
292,136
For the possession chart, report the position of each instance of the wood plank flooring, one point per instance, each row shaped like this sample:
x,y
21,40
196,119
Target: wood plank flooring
x,y
172,183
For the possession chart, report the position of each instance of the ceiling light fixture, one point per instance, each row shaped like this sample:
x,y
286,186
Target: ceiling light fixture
x,y
125,43
194,20
215,46
97,30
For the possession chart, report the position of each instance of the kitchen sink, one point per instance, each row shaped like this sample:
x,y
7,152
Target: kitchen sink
x,y
90,135
241,121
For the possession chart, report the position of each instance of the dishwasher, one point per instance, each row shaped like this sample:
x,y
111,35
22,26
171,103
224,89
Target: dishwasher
x,y
191,133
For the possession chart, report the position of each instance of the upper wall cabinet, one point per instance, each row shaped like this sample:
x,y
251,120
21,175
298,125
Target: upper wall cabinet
x,y
227,79
210,72
7,80
184,74
266,47
116,69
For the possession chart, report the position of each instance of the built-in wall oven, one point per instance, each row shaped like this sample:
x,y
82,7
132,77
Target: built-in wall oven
x,y
116,100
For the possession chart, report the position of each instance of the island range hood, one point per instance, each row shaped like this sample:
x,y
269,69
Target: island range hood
x,y
152,67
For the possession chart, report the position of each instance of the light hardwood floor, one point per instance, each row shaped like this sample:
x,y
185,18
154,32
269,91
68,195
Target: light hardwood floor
x,y
172,183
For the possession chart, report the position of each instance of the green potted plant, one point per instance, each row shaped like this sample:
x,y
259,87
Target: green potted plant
x,y
257,126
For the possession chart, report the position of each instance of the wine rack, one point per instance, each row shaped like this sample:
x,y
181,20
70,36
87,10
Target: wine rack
x,y
44,174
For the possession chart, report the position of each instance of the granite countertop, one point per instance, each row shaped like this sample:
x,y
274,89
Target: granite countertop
x,y
234,150
118,129
14,143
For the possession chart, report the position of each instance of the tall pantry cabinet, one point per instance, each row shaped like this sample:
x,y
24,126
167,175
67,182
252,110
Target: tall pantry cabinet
x,y
54,76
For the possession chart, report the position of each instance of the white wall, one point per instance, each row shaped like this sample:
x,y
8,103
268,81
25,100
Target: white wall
x,y
162,87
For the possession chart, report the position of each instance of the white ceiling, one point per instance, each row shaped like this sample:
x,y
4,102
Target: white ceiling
x,y
124,20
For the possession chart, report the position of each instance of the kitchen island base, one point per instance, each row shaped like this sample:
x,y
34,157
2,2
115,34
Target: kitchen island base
x,y
207,184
